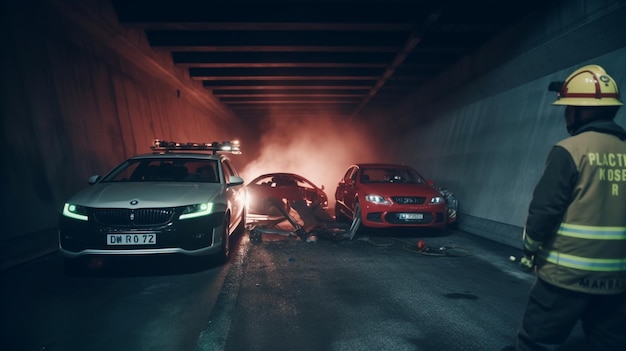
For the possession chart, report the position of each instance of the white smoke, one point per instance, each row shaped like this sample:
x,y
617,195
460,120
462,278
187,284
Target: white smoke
x,y
319,149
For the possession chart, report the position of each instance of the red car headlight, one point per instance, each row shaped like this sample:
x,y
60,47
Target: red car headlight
x,y
437,200
377,199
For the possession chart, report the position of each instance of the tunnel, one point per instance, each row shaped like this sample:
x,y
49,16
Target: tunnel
x,y
87,84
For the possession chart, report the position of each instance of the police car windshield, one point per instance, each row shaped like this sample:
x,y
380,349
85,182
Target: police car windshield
x,y
165,170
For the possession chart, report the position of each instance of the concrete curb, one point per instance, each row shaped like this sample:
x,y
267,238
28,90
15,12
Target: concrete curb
x,y
499,232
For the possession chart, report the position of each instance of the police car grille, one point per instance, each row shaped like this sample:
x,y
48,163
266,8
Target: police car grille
x,y
146,216
409,200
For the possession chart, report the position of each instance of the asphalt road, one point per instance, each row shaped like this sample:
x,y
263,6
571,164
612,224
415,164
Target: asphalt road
x,y
375,292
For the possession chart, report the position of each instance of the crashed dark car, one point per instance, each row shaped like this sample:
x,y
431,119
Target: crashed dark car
x,y
288,187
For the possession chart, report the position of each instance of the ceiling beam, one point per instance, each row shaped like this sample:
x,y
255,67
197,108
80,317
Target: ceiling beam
x,y
403,53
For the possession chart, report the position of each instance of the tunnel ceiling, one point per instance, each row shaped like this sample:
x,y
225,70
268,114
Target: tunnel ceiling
x,y
295,58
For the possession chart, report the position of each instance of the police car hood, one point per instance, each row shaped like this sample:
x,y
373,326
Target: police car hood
x,y
147,194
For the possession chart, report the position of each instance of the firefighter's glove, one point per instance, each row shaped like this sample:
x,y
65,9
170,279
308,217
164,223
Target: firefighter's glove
x,y
527,263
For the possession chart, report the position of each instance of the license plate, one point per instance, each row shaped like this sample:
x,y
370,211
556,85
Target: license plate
x,y
411,216
131,239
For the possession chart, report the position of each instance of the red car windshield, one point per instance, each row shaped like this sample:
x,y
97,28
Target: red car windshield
x,y
391,175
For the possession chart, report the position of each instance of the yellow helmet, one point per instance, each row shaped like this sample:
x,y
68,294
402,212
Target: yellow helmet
x,y
589,86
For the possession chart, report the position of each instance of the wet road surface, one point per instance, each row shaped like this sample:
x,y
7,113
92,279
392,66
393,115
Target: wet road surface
x,y
375,292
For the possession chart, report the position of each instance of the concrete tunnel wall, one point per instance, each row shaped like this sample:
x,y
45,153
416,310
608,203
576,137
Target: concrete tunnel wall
x,y
74,80
492,123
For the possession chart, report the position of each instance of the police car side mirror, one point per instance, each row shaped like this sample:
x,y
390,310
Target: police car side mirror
x,y
93,179
235,180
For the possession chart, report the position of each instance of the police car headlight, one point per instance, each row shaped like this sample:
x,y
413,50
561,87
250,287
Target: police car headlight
x,y
377,199
437,200
197,210
75,211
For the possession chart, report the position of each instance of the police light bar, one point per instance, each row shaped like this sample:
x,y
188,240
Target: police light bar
x,y
231,146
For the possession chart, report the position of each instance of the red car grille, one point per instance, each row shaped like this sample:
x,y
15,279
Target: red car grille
x,y
122,216
409,200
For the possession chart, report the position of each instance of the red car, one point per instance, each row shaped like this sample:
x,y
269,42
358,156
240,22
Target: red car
x,y
290,186
378,195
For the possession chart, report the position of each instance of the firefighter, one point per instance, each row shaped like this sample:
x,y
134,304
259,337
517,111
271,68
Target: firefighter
x,y
574,237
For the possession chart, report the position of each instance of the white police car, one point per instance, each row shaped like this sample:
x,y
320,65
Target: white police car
x,y
181,199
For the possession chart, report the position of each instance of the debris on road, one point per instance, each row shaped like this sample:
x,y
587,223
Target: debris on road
x,y
299,219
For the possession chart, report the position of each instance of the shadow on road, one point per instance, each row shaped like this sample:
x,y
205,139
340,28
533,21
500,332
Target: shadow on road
x,y
136,266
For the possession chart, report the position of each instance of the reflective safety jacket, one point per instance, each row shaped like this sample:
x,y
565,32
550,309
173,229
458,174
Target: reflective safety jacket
x,y
576,224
